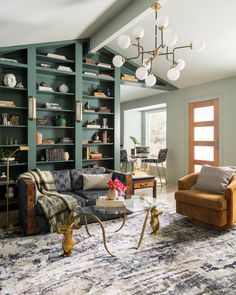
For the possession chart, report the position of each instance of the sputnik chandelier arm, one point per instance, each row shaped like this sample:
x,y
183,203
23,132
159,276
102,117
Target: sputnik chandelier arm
x,y
165,47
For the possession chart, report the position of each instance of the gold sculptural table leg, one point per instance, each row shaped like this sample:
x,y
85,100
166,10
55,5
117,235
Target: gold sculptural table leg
x,y
143,229
123,222
154,222
102,227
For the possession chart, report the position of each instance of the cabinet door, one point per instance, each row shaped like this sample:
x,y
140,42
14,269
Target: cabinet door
x,y
203,134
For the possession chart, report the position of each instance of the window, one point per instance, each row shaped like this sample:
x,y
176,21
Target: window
x,y
156,130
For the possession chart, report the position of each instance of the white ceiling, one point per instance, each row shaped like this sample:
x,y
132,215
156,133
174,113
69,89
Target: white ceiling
x,y
128,93
212,20
30,21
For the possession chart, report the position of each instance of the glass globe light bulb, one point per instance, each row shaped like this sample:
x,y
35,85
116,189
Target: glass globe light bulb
x,y
118,61
170,37
198,45
180,64
150,80
146,63
141,73
161,2
162,21
123,41
173,74
138,33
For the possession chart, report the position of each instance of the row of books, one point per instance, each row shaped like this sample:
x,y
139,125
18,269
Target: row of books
x,y
127,77
54,154
7,103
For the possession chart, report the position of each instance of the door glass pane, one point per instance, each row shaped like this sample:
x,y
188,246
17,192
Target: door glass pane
x,y
203,114
204,133
197,168
204,153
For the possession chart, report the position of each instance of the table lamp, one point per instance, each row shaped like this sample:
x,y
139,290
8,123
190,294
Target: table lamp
x,y
22,149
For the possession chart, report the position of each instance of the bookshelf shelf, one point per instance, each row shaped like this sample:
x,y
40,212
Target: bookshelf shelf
x,y
53,59
52,162
104,78
53,110
56,93
56,72
92,66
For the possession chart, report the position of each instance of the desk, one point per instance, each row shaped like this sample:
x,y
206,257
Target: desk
x,y
144,181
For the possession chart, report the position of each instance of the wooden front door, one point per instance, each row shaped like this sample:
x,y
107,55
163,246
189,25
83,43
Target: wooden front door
x,y
203,134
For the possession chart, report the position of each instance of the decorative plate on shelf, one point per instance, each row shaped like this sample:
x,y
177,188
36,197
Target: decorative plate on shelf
x,y
9,80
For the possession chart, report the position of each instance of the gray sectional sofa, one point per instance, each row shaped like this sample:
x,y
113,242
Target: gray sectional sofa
x,y
68,182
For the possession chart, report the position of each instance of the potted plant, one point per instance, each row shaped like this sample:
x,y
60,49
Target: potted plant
x,y
135,142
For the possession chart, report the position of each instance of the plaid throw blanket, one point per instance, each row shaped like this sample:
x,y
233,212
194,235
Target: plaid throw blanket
x,y
56,207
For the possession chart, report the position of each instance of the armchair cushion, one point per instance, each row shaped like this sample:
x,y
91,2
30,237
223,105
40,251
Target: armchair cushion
x,y
214,179
202,199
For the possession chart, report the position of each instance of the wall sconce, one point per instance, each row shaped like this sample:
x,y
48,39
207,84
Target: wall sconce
x,y
79,111
32,108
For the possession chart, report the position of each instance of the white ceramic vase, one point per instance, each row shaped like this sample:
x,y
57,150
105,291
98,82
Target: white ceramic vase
x,y
66,156
112,193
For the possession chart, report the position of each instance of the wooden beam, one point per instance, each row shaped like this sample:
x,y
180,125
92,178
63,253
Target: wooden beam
x,y
129,16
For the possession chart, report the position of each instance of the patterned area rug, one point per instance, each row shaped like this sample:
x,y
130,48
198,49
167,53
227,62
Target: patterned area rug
x,y
181,259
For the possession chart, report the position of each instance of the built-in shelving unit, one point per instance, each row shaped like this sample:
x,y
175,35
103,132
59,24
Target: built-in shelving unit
x,y
42,69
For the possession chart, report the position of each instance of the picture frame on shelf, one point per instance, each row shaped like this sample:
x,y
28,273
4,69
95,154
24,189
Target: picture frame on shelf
x,y
15,120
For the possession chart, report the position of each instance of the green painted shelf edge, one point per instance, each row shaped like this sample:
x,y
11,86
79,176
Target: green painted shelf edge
x,y
52,162
3,183
97,67
85,128
53,71
98,77
55,144
13,64
16,164
54,92
14,126
98,113
53,110
97,97
54,127
13,88
53,59
102,159
13,108
95,144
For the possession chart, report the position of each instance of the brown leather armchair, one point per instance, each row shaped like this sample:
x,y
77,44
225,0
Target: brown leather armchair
x,y
206,208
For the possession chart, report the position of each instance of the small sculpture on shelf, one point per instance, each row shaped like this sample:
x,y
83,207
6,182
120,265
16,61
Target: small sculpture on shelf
x,y
87,106
19,85
63,88
108,92
104,123
60,121
9,80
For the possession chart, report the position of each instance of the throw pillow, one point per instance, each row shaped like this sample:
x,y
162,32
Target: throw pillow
x,y
96,181
62,180
214,179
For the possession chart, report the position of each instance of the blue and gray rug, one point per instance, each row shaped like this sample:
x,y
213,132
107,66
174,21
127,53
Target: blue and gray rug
x,y
182,259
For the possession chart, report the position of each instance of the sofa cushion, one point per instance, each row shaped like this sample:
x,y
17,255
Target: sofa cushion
x,y
77,179
214,179
92,181
201,199
62,180
90,196
80,200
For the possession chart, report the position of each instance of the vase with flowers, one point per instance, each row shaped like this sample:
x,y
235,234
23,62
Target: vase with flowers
x,y
115,186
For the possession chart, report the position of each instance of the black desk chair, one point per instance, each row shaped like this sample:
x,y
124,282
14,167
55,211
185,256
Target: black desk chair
x,y
160,159
124,159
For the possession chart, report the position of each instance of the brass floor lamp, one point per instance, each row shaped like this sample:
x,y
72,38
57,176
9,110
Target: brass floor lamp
x,y
22,149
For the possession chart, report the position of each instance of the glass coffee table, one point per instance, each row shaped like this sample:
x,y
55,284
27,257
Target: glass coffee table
x,y
133,205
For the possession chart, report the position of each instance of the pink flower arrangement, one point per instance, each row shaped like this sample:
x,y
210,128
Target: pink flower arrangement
x,y
116,184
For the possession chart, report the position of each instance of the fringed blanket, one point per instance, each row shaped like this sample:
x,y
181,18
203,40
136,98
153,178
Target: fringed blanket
x,y
56,207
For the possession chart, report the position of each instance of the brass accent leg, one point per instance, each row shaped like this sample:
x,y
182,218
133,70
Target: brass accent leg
x,y
143,229
102,227
154,222
86,226
123,222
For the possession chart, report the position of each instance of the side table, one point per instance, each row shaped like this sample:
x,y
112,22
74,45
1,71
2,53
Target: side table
x,y
144,181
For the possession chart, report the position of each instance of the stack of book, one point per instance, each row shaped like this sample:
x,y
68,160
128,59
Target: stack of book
x,y
58,56
64,139
104,65
99,94
52,106
104,202
55,154
48,141
129,78
64,68
93,126
7,103
90,73
45,88
95,155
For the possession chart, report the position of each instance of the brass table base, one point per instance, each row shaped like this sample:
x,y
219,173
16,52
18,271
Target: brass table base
x,y
154,222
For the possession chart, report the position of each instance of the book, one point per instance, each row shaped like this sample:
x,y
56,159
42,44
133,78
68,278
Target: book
x,y
93,126
53,55
46,65
8,59
95,156
90,73
105,202
64,68
7,102
89,111
105,65
45,88
99,94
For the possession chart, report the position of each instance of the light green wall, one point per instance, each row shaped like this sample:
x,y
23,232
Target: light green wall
x,y
177,121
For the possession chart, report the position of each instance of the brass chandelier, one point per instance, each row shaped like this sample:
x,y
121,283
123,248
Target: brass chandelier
x,y
167,39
